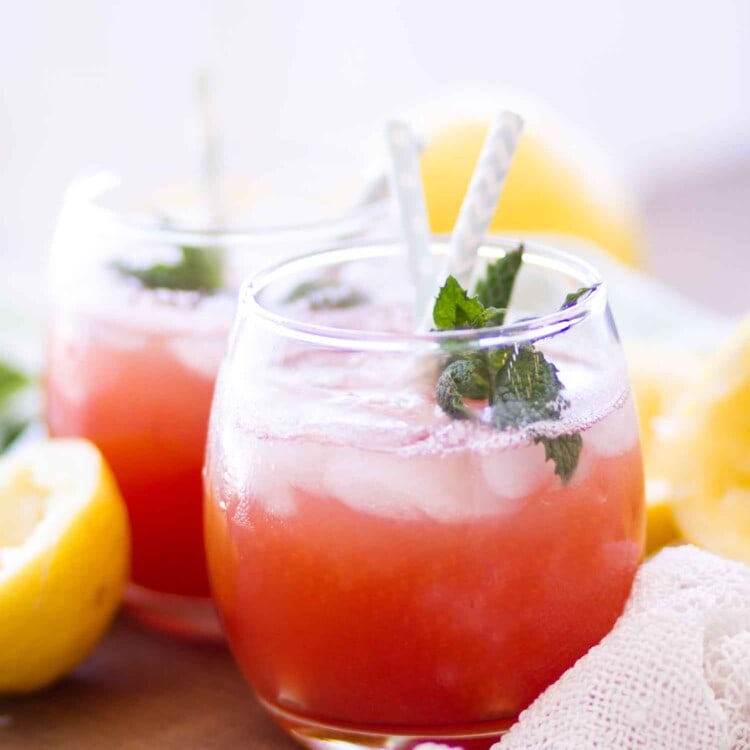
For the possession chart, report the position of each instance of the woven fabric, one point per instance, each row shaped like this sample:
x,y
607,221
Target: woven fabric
x,y
673,674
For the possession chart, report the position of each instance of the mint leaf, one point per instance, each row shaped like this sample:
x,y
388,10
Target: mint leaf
x,y
520,385
564,450
325,294
13,420
10,430
573,297
492,316
496,288
12,380
199,269
306,289
463,378
454,308
527,390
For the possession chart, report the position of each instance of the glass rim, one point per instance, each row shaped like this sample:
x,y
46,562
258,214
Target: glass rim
x,y
508,334
88,189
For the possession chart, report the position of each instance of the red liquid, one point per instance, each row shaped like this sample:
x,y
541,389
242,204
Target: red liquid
x,y
347,616
148,413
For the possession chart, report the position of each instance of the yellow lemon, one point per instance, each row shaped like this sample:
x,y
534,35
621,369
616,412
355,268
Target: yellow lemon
x,y
659,374
661,525
701,459
64,555
658,378
545,190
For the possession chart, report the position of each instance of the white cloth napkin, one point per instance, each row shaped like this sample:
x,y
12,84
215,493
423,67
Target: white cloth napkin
x,y
673,674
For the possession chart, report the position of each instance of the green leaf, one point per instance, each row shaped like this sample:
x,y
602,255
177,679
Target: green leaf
x,y
496,288
454,309
564,450
12,380
199,269
10,430
491,316
12,422
305,288
573,297
519,383
527,389
325,294
463,378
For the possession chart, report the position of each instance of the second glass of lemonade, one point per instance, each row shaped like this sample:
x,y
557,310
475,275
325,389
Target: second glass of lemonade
x,y
393,565
142,304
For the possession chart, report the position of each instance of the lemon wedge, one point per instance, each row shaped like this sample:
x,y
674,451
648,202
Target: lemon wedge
x,y
701,457
64,556
659,375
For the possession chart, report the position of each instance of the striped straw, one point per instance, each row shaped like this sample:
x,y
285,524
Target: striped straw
x,y
480,202
209,148
406,186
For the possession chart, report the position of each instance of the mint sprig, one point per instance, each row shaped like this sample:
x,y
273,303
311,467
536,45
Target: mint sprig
x,y
12,380
573,297
12,422
496,288
198,269
520,385
564,450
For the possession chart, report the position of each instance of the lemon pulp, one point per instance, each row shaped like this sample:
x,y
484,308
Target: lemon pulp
x,y
64,556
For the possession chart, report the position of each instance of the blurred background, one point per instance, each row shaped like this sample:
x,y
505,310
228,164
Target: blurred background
x,y
661,88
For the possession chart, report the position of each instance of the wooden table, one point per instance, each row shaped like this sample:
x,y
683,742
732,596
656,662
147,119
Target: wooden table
x,y
143,691
140,690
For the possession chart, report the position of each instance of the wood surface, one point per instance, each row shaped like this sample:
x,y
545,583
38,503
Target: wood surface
x,y
141,690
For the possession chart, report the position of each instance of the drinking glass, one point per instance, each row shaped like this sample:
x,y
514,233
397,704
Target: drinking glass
x,y
142,301
390,568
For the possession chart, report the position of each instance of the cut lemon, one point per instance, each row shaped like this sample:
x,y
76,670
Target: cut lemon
x,y
64,553
701,458
661,525
659,374
658,379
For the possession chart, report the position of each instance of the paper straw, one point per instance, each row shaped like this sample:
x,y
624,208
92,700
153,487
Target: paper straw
x,y
406,186
209,149
480,203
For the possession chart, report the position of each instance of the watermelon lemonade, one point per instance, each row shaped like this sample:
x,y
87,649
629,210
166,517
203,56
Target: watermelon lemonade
x,y
144,292
134,372
389,568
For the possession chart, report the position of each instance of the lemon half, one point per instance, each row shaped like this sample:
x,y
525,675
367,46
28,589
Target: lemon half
x,y
702,456
659,375
64,557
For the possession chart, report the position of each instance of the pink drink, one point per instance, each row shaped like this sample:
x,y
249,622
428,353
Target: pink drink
x,y
136,377
144,283
383,569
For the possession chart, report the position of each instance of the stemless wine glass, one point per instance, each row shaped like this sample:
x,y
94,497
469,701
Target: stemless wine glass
x,y
393,562
143,299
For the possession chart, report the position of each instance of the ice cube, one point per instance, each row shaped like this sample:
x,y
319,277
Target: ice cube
x,y
616,432
512,472
281,467
245,465
201,355
116,334
438,484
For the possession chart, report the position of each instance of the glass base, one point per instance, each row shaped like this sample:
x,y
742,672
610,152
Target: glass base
x,y
320,736
186,616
